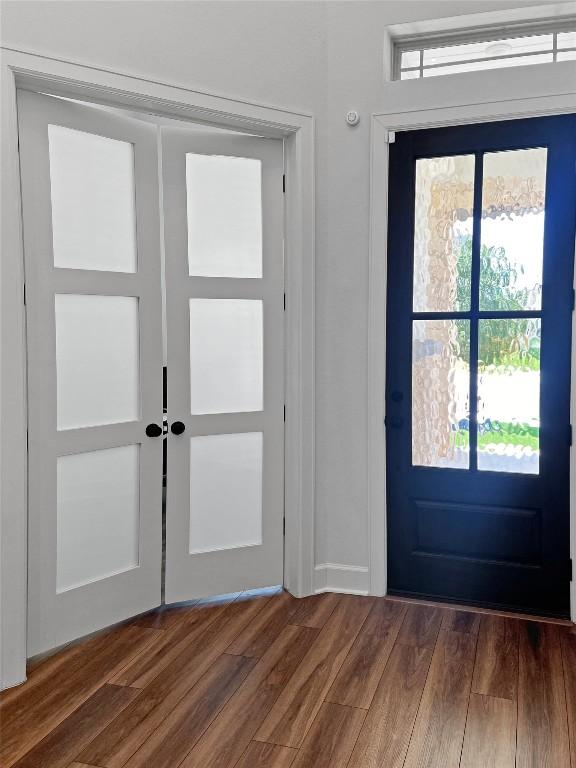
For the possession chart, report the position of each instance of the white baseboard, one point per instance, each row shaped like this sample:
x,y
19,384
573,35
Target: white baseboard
x,y
333,577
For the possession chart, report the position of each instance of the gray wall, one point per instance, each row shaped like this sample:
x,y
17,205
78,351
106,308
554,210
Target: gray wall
x,y
321,57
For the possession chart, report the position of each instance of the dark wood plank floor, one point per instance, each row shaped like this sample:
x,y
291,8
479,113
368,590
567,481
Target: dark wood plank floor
x,y
332,681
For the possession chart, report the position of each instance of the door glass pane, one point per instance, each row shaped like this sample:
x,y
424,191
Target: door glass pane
x,y
567,40
96,360
92,196
97,515
443,233
440,393
225,491
224,204
226,355
509,395
512,230
410,59
486,49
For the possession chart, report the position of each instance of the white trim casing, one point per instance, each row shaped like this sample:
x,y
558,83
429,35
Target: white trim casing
x,y
334,577
13,436
89,83
471,27
455,99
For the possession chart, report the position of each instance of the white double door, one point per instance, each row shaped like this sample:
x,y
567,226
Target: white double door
x,y
102,199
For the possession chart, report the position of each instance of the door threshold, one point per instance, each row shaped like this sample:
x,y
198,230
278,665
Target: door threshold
x,y
406,598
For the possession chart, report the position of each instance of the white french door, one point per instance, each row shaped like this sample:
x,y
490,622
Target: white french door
x,y
94,332
223,214
92,236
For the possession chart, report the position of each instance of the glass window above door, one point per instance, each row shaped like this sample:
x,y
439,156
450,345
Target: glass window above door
x,y
433,57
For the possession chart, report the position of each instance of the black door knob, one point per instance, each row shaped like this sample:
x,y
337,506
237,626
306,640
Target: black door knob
x,y
177,428
153,430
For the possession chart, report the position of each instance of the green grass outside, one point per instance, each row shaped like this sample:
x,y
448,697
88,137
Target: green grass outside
x,y
507,434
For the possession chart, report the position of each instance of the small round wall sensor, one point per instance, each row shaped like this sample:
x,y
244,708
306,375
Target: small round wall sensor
x,y
352,117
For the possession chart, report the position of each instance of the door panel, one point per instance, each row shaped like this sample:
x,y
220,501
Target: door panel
x,y
223,209
92,243
480,275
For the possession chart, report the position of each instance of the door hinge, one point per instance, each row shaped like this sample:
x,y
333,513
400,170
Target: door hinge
x,y
284,183
284,302
284,414
284,526
570,569
569,434
24,293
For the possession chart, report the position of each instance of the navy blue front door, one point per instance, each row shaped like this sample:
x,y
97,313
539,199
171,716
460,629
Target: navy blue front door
x,y
480,271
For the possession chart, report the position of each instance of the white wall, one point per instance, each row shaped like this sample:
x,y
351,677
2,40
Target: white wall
x,y
322,57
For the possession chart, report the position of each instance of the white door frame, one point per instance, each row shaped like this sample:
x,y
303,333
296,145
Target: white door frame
x,y
88,83
474,97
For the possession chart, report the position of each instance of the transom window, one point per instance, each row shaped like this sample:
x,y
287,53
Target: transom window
x,y
432,57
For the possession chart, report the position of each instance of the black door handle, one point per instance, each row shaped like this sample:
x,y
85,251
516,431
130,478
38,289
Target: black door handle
x,y
177,428
153,430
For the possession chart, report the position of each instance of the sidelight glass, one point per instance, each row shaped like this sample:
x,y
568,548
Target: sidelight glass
x,y
93,201
97,515
440,393
97,360
224,208
509,395
443,233
512,230
225,491
226,355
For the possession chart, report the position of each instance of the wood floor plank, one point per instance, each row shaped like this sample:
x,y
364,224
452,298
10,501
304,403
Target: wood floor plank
x,y
420,626
271,681
331,738
543,740
165,617
496,666
360,674
385,735
439,728
259,635
61,745
175,616
81,765
44,701
261,755
490,736
461,621
231,732
118,742
293,713
169,744
569,659
150,663
314,611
